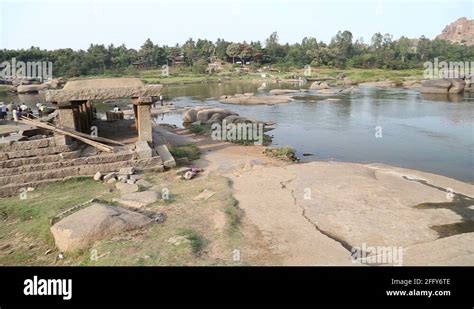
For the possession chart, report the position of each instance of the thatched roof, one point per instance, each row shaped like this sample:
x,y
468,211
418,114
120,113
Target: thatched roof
x,y
102,89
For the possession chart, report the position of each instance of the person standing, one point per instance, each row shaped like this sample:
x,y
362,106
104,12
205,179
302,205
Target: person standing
x,y
16,114
42,109
161,99
10,108
3,111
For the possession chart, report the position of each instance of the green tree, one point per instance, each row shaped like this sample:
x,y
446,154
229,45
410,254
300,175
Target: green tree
x,y
233,50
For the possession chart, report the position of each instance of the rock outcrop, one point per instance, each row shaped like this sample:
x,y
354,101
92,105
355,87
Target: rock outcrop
x,y
442,86
460,31
207,114
94,223
318,85
22,89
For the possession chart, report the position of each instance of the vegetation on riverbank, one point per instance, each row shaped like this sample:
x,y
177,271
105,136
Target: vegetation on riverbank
x,y
190,151
283,153
356,76
203,56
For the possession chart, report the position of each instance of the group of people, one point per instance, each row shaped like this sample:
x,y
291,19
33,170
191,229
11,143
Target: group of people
x,y
15,112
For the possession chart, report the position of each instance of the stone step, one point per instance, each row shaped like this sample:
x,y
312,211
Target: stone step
x,y
64,163
6,155
7,145
80,170
77,170
10,163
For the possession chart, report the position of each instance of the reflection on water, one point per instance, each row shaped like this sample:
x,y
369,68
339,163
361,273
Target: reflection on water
x,y
215,90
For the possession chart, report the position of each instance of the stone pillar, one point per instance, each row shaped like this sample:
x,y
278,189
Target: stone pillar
x,y
66,119
135,111
88,122
90,112
143,119
77,118
81,117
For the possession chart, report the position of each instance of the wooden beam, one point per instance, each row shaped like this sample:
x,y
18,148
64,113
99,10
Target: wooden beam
x,y
70,132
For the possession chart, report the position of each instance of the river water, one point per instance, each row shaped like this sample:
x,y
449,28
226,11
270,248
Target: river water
x,y
433,134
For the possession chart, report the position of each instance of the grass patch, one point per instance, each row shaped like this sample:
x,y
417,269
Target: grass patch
x,y
27,221
196,241
234,214
199,128
266,140
283,153
190,151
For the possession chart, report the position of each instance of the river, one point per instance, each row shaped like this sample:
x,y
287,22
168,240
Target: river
x,y
432,134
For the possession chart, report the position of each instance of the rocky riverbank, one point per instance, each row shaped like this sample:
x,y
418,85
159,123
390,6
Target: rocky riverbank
x,y
316,213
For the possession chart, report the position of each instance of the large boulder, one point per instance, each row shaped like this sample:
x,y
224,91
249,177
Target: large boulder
x,y
30,88
218,117
317,85
94,223
457,85
435,86
52,84
468,86
191,114
204,114
239,119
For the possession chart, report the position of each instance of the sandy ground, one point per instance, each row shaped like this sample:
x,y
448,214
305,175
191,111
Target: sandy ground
x,y
317,213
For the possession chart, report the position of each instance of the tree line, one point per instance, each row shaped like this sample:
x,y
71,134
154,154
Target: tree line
x,y
341,52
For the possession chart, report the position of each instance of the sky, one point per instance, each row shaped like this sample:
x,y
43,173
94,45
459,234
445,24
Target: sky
x,y
52,24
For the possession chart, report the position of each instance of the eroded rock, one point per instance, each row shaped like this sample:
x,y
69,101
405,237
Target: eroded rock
x,y
94,223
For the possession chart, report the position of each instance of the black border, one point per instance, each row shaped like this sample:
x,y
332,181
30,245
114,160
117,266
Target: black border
x,y
239,285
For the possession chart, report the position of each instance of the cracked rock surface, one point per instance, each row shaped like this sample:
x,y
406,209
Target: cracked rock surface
x,y
315,213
